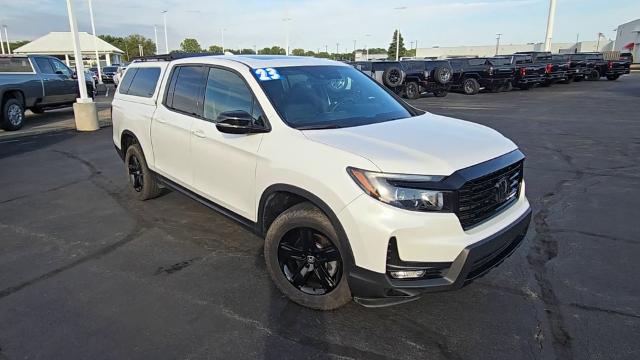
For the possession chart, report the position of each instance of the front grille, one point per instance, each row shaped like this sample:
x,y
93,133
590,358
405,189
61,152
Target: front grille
x,y
479,199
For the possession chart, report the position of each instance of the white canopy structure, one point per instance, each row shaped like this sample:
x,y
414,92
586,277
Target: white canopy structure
x,y
60,44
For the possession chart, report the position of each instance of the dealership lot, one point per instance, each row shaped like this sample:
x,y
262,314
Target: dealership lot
x,y
87,272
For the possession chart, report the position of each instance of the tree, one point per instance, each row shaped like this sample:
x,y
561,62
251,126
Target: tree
x,y
247,51
392,47
130,45
190,45
215,49
18,43
274,50
297,52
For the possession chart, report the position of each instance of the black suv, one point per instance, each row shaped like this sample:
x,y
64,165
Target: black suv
x,y
597,66
471,75
410,78
575,68
526,73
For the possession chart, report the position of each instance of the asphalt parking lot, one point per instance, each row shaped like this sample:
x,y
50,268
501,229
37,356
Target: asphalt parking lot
x,y
86,272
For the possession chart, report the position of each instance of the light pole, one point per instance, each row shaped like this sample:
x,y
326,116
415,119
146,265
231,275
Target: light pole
x,y
367,36
286,21
95,42
155,34
398,35
1,43
498,43
86,114
326,49
166,36
222,33
550,20
337,50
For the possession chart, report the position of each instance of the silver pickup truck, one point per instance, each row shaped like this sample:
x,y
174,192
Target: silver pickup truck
x,y
37,83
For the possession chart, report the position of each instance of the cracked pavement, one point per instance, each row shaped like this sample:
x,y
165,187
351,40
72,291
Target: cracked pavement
x,y
86,272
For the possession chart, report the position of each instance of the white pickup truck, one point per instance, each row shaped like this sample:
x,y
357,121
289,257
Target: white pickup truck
x,y
357,194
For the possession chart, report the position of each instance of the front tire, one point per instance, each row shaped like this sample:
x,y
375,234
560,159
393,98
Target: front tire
x,y
305,258
412,90
595,75
612,77
143,183
470,86
12,115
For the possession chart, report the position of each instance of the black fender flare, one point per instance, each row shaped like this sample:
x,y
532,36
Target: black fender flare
x,y
316,201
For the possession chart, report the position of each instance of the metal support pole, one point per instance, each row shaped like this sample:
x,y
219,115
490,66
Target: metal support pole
x,y
498,44
166,36
155,34
6,37
75,37
550,20
95,43
1,43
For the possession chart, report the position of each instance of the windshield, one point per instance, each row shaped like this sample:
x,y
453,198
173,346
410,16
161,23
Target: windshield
x,y
109,69
320,97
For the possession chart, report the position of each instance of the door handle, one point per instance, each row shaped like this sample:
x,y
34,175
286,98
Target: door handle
x,y
199,133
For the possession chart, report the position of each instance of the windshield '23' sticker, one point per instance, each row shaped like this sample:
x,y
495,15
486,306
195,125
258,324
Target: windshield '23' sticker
x,y
267,74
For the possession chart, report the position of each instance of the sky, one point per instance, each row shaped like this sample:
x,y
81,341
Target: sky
x,y
316,23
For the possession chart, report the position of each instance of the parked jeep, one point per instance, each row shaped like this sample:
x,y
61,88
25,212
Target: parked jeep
x,y
526,73
411,77
597,66
471,75
36,83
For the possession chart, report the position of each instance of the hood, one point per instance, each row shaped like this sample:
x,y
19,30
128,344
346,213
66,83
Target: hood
x,y
427,145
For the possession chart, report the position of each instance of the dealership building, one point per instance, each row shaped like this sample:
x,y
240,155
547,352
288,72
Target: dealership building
x,y
628,39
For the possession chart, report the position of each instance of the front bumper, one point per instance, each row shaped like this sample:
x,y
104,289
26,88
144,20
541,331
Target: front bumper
x,y
370,288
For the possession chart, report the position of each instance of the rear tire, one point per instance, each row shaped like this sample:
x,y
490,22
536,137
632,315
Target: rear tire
x,y
507,87
143,183
12,115
594,76
470,86
284,250
393,76
442,74
612,77
412,90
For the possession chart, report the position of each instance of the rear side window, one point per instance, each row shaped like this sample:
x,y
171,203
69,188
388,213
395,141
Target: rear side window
x,y
11,64
144,82
45,66
185,90
476,62
126,81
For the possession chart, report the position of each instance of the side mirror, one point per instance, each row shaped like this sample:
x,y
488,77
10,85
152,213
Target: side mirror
x,y
74,75
237,122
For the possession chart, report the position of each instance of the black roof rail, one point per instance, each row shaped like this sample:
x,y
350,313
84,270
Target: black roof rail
x,y
170,57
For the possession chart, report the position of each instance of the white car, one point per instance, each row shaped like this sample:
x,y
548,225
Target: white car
x,y
356,193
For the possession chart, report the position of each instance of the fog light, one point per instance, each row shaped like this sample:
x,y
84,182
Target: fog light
x,y
407,274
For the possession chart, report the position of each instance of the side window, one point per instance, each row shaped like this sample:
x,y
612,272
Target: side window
x,y
60,68
225,91
144,82
44,65
185,93
123,88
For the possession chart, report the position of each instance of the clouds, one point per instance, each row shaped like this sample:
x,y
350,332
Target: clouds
x,y
316,23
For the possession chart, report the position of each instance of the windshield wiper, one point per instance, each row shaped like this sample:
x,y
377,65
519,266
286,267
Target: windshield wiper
x,y
319,127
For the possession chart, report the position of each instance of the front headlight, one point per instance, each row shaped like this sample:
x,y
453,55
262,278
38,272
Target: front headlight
x,y
403,191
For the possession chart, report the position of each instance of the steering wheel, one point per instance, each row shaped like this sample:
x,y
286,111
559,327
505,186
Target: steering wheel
x,y
336,105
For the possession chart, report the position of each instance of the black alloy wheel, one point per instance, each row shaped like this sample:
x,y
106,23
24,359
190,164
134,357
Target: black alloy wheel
x,y
310,261
135,173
